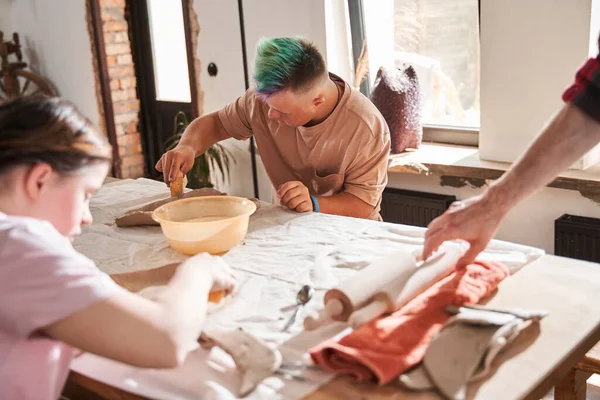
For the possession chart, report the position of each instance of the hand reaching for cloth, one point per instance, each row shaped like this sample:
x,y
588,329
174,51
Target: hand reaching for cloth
x,y
474,220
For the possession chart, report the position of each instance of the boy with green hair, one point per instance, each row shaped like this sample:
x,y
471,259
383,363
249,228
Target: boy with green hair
x,y
324,145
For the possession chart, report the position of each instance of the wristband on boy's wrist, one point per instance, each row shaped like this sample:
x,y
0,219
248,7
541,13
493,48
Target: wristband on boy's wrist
x,y
315,203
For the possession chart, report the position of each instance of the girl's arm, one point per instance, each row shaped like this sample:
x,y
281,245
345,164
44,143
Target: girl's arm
x,y
137,331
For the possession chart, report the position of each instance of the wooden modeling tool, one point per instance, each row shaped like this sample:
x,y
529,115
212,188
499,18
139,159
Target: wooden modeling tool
x,y
178,185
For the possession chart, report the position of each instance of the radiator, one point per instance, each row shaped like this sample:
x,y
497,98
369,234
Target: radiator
x,y
577,237
413,208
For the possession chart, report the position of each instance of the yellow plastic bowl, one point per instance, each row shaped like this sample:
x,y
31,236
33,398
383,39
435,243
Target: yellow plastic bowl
x,y
211,224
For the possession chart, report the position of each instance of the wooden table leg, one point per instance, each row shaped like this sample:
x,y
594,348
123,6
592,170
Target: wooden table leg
x,y
573,386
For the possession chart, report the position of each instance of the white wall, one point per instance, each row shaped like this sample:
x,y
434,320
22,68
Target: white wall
x,y
530,223
272,18
57,45
6,24
219,42
530,51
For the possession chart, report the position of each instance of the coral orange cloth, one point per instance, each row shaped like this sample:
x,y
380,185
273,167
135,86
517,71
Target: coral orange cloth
x,y
385,348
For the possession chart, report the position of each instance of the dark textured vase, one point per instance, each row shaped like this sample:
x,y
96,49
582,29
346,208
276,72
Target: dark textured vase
x,y
397,96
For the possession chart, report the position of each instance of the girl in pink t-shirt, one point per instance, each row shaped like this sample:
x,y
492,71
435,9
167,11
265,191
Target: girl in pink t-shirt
x,y
52,298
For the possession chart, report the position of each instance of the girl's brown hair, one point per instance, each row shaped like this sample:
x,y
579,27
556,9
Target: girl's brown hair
x,y
48,130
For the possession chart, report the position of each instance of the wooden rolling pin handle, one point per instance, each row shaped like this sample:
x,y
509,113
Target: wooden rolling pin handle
x,y
368,313
333,308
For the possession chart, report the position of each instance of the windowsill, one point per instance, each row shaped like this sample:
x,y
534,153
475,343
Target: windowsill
x,y
460,166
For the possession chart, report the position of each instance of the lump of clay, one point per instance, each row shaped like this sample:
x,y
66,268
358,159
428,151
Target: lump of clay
x,y
254,359
396,94
143,215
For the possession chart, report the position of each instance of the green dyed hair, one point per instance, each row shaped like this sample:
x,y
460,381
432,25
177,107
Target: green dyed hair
x,y
286,63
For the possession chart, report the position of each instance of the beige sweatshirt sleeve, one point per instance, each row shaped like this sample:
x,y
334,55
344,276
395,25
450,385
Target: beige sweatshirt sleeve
x,y
366,176
237,116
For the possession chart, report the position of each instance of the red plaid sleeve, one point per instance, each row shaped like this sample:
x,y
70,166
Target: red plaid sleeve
x,y
585,91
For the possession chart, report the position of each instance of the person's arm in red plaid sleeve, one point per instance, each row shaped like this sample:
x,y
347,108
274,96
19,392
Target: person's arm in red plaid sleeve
x,y
570,134
585,91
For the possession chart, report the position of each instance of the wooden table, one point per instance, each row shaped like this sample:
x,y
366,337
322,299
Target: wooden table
x,y
537,361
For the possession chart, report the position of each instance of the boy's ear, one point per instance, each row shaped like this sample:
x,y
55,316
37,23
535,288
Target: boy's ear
x,y
317,101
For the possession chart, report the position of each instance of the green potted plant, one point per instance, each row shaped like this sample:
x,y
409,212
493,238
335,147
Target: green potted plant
x,y
216,158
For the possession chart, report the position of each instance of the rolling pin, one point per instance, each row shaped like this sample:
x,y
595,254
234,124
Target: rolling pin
x,y
397,292
356,291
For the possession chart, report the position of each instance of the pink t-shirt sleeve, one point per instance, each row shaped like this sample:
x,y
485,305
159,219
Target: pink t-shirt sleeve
x,y
43,279
237,116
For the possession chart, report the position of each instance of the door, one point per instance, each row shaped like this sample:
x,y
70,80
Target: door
x,y
160,36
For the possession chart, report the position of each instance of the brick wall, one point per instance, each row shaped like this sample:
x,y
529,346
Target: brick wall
x,y
126,104
194,36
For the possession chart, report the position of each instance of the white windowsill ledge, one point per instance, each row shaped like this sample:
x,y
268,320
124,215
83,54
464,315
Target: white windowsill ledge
x,y
461,166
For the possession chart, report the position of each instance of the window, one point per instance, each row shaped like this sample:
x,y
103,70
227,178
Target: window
x,y
167,36
440,40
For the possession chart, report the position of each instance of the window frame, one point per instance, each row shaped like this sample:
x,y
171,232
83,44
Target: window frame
x,y
431,133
